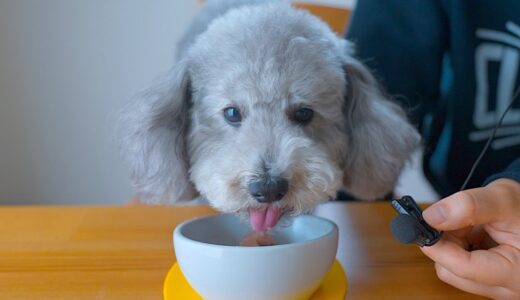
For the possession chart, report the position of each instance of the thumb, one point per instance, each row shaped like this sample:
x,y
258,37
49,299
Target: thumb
x,y
466,208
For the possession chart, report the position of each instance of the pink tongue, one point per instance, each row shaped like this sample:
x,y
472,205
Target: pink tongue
x,y
264,219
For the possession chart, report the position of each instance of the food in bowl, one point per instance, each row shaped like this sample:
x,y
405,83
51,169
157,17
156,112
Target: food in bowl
x,y
257,238
209,255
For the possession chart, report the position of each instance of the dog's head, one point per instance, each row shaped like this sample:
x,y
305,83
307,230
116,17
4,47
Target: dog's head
x,y
266,106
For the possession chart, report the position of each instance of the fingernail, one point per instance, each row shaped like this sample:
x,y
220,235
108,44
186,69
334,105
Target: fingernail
x,y
435,215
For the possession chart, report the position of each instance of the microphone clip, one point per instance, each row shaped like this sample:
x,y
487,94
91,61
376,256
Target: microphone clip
x,y
409,226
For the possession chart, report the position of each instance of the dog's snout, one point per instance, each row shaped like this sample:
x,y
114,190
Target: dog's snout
x,y
267,190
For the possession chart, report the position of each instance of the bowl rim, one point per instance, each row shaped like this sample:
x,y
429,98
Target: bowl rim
x,y
178,235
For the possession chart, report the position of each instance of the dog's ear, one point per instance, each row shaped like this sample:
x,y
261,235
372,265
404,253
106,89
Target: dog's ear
x,y
152,133
380,138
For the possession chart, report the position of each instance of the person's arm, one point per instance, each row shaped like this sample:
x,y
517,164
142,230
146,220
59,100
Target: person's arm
x,y
403,42
512,172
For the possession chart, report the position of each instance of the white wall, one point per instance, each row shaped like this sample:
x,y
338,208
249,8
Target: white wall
x,y
334,3
66,67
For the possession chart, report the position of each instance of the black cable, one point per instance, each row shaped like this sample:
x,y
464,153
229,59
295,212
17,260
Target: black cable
x,y
497,125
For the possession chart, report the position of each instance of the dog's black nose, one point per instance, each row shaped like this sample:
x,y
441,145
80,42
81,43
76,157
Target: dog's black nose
x,y
269,189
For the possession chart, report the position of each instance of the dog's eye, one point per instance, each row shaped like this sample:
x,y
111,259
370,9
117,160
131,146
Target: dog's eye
x,y
232,115
303,115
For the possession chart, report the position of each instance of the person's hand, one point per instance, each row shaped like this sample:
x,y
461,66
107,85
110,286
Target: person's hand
x,y
480,249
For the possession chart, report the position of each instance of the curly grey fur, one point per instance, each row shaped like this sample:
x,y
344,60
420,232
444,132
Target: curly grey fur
x,y
266,58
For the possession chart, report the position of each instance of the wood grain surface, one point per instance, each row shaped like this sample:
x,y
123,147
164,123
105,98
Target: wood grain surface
x,y
106,252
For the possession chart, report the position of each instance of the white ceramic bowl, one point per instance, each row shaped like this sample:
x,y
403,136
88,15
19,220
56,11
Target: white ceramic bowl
x,y
217,268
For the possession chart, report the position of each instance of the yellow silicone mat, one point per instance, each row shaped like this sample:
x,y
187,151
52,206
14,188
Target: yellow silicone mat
x,y
333,286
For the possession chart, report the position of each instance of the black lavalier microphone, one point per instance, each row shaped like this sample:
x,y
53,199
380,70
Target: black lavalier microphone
x,y
409,226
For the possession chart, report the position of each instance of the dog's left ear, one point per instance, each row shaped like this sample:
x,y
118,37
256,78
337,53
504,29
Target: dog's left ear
x,y
380,138
152,132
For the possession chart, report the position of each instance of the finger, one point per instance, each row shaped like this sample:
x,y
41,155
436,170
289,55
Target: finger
x,y
503,237
476,235
461,233
470,238
467,208
480,238
470,286
455,238
488,267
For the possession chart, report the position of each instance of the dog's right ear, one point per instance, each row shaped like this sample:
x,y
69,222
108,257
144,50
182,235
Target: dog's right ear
x,y
152,132
381,139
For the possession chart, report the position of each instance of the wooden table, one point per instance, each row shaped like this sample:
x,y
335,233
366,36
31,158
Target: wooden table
x,y
97,252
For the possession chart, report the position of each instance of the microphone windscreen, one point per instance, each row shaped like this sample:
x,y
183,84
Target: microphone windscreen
x,y
404,228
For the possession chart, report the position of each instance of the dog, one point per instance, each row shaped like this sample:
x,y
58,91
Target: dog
x,y
266,112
